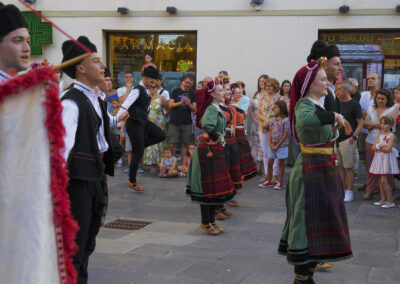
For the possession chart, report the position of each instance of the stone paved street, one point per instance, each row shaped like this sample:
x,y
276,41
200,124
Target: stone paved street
x,y
173,249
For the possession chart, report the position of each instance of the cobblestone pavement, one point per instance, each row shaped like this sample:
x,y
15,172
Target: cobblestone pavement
x,y
173,249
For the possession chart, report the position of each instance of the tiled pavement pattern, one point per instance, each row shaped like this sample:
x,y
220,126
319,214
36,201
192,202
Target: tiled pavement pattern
x,y
173,249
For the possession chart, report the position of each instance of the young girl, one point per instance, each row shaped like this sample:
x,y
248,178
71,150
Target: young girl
x,y
385,162
168,164
186,161
278,142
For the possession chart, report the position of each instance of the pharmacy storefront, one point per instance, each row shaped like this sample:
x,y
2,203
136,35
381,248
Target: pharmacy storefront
x,y
174,53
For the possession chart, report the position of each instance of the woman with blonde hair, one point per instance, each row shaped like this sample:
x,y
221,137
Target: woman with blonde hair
x,y
264,112
254,139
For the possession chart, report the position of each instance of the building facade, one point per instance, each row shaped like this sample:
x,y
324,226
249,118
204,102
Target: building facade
x,y
207,36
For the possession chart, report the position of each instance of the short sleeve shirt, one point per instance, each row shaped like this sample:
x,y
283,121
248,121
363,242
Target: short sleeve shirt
x,y
278,127
351,111
169,162
181,115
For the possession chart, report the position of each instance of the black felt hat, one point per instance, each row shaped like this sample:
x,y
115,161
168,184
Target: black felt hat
x,y
10,19
151,72
107,73
320,49
71,50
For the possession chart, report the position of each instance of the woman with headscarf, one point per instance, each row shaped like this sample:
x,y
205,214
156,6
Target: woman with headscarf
x,y
209,182
316,229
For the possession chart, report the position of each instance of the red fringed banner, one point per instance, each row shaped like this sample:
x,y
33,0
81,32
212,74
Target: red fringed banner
x,y
64,224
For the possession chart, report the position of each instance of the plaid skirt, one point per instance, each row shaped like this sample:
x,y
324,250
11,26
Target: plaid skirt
x,y
323,215
231,151
248,167
216,183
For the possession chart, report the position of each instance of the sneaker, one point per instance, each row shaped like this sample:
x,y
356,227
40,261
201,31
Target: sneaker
x,y
379,203
348,195
140,170
278,186
266,184
120,162
126,171
391,205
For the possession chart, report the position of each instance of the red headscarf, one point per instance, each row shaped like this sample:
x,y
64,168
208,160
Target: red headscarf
x,y
204,102
300,85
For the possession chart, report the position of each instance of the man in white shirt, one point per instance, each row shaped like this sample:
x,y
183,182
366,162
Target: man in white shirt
x,y
87,148
124,91
14,44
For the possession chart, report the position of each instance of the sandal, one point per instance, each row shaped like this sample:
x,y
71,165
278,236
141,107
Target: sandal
x,y
233,203
218,227
220,216
135,186
226,212
367,196
209,229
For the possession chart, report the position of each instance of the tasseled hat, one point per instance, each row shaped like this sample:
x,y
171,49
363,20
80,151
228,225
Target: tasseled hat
x,y
205,102
320,49
151,72
300,85
10,19
71,50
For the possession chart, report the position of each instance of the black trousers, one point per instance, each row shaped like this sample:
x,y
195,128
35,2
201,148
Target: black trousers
x,y
207,213
141,135
87,201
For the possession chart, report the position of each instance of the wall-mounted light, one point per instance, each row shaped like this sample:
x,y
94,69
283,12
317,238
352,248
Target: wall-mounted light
x,y
171,10
123,10
256,4
344,9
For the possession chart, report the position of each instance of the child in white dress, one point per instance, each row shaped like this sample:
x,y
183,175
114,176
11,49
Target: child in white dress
x,y
385,161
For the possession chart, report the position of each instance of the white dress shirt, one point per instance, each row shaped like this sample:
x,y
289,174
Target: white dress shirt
x,y
4,76
121,91
70,116
132,97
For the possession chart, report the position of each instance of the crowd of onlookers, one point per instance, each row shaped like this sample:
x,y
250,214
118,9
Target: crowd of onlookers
x,y
267,111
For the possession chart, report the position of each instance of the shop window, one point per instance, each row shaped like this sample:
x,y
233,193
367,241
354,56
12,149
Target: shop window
x,y
173,54
360,51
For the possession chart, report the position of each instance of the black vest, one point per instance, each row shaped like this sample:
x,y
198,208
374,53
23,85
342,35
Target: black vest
x,y
139,110
84,160
331,102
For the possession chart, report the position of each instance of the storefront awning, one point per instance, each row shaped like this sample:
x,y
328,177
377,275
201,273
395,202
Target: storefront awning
x,y
360,52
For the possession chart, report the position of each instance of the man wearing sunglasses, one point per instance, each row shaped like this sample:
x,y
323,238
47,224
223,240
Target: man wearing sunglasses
x,y
142,132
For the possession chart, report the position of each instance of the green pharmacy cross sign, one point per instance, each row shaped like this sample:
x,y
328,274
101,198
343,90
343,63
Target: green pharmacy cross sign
x,y
41,32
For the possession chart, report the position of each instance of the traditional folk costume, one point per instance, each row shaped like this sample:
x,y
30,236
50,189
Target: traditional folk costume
x,y
89,157
141,131
316,229
247,165
37,230
208,181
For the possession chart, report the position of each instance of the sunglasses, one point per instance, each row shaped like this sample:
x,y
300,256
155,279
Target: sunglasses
x,y
153,87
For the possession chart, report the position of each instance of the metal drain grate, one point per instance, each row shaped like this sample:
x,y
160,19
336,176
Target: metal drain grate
x,y
130,225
